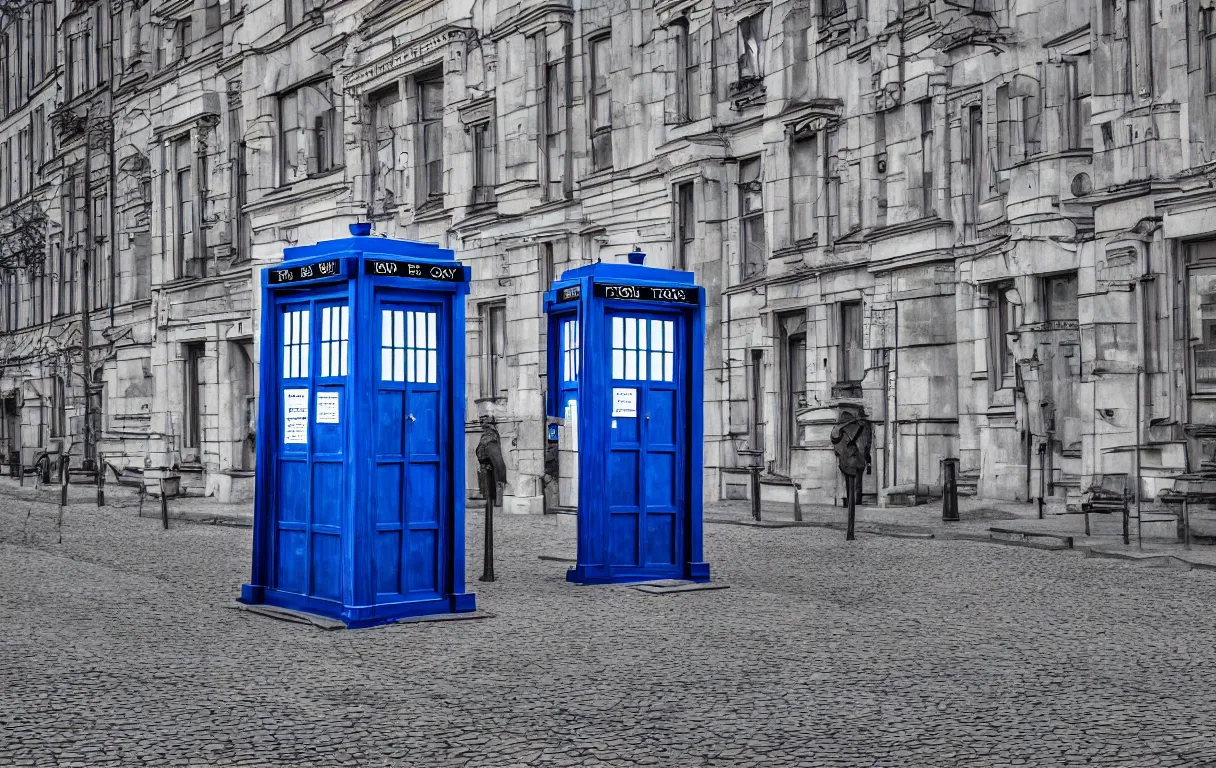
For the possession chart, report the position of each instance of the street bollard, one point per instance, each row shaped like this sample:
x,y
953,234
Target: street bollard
x,y
755,473
487,573
101,484
950,492
164,506
1126,537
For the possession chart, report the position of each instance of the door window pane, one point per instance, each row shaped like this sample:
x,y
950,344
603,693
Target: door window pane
x,y
409,349
295,344
643,350
335,327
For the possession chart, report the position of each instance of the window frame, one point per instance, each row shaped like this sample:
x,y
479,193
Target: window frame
x,y
748,270
482,135
928,146
601,125
846,356
494,344
426,163
684,196
751,29
1002,320
322,141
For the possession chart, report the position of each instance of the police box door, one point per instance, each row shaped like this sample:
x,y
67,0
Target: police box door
x,y
647,445
411,432
313,371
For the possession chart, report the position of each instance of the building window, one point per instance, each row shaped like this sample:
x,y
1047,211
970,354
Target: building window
x,y
570,350
1079,79
1060,297
686,225
755,409
335,334
309,140
601,105
1001,322
554,95
430,123
494,350
483,164
193,382
804,162
1140,27
294,12
643,350
183,211
100,263
296,328
185,36
409,346
59,408
975,124
831,175
852,365
927,181
1207,24
11,303
389,147
751,216
688,89
751,49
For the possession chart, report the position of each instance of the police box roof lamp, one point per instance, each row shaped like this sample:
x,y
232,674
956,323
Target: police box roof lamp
x,y
361,229
636,256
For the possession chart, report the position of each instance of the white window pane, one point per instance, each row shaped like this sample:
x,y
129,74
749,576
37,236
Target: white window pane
x,y
618,364
345,327
669,335
642,336
565,336
386,328
419,365
293,362
399,329
304,359
304,326
409,330
631,333
656,366
656,334
398,365
386,364
668,360
325,318
432,366
342,356
631,364
325,345
289,328
642,363
618,333
432,332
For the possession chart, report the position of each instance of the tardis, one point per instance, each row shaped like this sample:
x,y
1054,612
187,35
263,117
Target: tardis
x,y
626,356
360,500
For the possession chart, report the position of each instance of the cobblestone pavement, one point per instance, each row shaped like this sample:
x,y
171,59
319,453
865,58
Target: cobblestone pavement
x,y
116,649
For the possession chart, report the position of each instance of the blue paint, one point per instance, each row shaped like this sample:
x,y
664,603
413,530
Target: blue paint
x,y
359,513
627,346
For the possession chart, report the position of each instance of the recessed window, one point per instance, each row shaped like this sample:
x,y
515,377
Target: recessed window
x,y
751,216
430,122
570,350
295,344
642,349
309,140
409,348
601,105
335,333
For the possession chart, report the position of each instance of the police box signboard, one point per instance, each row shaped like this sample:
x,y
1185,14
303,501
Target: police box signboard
x,y
417,271
305,272
569,293
670,294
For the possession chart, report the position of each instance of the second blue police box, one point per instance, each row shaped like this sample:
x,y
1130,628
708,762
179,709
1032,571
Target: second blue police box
x,y
626,356
360,488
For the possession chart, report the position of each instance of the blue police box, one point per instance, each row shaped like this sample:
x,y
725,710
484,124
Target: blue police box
x,y
626,356
360,499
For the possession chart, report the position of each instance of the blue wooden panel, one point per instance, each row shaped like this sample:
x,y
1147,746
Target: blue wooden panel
x,y
660,481
386,562
662,415
623,537
326,566
424,494
387,495
293,494
424,428
390,428
624,492
660,538
292,571
423,557
327,493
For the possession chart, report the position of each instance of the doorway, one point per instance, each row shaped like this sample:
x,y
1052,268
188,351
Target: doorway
x,y
791,328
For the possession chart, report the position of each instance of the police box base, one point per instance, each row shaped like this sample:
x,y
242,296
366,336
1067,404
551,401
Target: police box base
x,y
600,574
356,617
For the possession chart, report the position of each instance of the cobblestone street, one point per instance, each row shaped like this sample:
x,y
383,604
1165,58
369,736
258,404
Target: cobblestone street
x,y
118,648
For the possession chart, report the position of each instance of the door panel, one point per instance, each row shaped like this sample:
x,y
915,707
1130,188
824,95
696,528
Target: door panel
x,y
410,439
647,426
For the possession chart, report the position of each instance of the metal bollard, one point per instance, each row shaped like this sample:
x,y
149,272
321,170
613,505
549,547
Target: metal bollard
x,y
950,492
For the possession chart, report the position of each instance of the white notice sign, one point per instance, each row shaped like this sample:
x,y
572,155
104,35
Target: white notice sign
x,y
327,408
295,416
624,402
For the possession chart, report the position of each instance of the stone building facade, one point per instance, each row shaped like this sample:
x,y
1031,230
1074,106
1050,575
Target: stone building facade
x,y
990,224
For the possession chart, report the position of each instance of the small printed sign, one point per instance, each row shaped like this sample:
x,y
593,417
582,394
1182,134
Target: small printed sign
x,y
327,408
669,295
305,272
295,416
624,402
552,433
417,271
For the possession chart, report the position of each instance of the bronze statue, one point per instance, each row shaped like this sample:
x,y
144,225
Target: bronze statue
x,y
491,477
